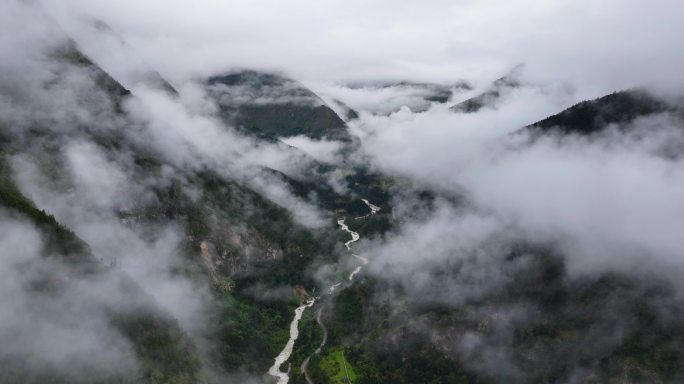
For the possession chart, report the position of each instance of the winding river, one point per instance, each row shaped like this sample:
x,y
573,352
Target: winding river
x,y
358,269
284,377
355,236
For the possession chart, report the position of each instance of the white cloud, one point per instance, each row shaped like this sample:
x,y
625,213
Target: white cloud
x,y
599,46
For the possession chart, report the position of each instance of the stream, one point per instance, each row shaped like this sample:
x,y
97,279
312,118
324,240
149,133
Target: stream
x,y
284,377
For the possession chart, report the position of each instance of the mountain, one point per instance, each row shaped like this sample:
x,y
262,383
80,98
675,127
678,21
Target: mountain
x,y
490,96
542,325
591,116
417,96
71,55
103,39
65,264
346,112
235,239
272,105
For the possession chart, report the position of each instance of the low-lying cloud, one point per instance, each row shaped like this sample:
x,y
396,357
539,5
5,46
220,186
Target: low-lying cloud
x,y
54,322
609,202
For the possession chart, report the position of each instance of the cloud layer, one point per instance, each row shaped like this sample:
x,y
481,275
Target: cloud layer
x,y
599,46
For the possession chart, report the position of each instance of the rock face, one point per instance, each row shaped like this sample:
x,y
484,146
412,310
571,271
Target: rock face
x,y
274,106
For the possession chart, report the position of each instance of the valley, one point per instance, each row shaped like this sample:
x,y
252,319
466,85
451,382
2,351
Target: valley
x,y
283,378
271,193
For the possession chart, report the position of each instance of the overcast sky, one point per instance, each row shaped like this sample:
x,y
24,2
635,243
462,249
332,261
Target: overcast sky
x,y
596,45
571,50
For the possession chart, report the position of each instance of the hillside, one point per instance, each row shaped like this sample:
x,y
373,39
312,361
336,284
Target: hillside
x,y
591,116
491,95
274,106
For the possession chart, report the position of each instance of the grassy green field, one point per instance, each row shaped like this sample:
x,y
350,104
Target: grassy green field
x,y
333,364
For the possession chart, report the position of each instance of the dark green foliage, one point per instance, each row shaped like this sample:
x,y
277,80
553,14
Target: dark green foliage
x,y
576,324
593,115
375,187
235,205
371,225
285,120
351,305
260,79
474,104
372,186
166,354
310,337
382,350
72,55
288,108
254,330
601,328
441,97
59,239
252,333
489,97
414,361
348,113
164,351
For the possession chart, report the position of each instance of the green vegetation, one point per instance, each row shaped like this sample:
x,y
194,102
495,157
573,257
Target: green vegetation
x,y
337,368
59,239
165,353
117,92
374,187
294,111
253,333
490,96
292,120
401,343
593,115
